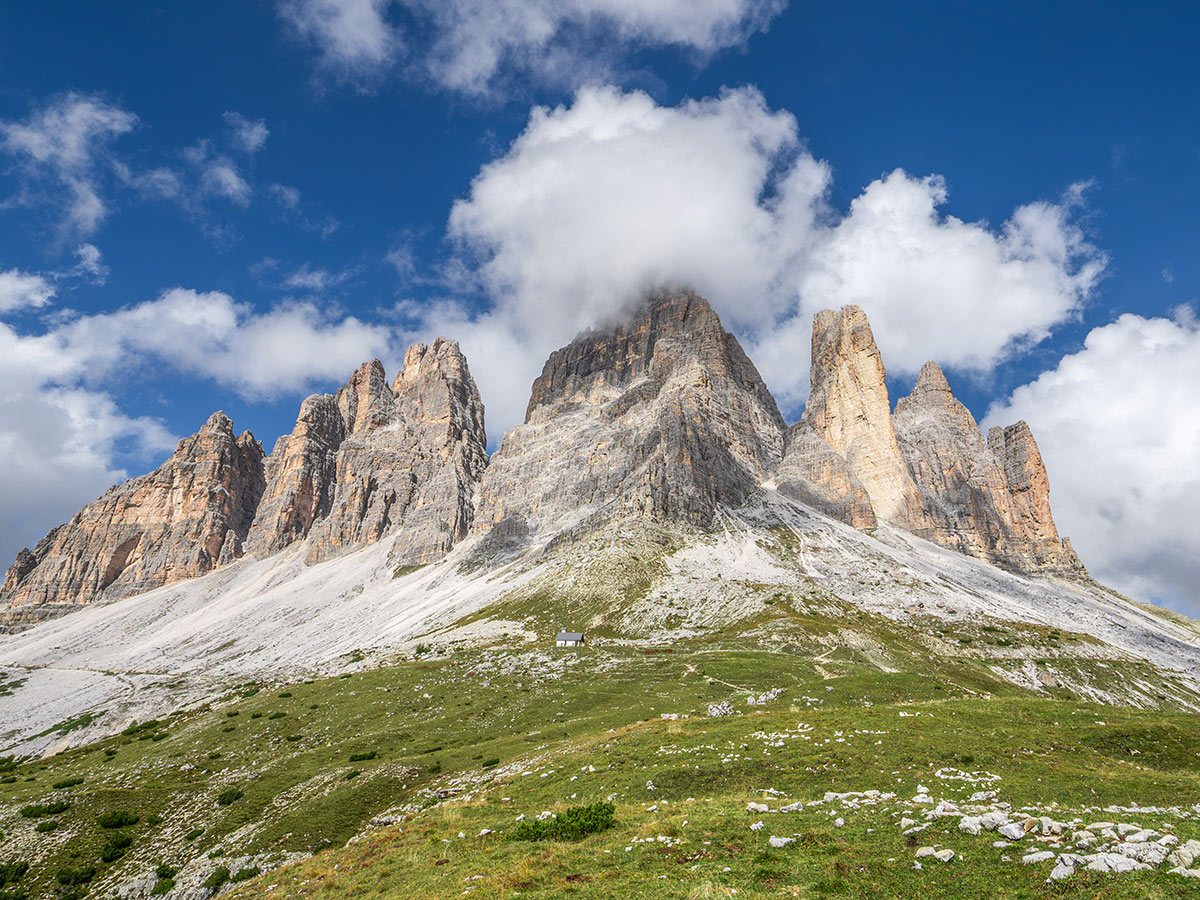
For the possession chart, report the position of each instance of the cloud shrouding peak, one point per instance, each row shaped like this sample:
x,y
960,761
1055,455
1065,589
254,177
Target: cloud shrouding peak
x,y
1118,424
596,201
473,43
60,151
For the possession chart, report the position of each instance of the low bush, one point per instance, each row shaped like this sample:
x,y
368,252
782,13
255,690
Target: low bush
x,y
116,845
12,872
164,871
572,824
490,763
117,818
217,879
244,874
66,783
45,827
37,810
193,834
362,757
353,773
68,877
229,796
164,886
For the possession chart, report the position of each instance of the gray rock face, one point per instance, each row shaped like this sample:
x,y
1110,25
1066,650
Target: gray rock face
x,y
410,461
813,473
185,518
300,475
663,417
989,504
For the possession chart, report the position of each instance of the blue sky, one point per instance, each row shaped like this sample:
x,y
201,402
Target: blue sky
x,y
230,205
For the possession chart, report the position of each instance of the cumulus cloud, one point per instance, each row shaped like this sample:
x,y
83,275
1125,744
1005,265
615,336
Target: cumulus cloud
x,y
596,201
1118,424
61,152
23,290
473,42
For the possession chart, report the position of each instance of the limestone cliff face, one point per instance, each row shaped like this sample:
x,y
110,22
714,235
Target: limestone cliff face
x,y
848,408
815,474
1018,456
300,477
662,417
410,461
967,501
989,499
185,518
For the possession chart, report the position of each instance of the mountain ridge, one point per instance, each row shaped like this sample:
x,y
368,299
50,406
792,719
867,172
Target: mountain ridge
x,y
661,416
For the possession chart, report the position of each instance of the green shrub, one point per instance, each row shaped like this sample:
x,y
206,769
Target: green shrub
x,y
233,713
244,874
229,728
11,872
117,818
37,810
490,763
229,796
116,845
153,820
193,834
256,715
286,694
45,827
164,871
218,878
572,824
353,773
8,779
276,715
164,886
66,783
362,757
110,752
293,737
138,729
69,877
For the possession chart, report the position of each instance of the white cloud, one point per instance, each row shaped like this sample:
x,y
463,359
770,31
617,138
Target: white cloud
x,y
221,177
23,290
249,135
61,150
596,201
475,42
91,264
306,278
288,349
1118,424
353,37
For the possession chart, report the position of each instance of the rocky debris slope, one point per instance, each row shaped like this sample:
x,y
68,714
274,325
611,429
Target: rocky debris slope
x,y
185,518
662,417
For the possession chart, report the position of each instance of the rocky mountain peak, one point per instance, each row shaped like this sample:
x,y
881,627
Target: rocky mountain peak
x,y
661,416
186,517
848,407
366,400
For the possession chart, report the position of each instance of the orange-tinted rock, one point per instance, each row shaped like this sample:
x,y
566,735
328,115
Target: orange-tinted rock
x,y
185,518
848,408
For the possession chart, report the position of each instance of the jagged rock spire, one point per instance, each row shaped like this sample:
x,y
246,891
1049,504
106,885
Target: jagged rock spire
x,y
848,408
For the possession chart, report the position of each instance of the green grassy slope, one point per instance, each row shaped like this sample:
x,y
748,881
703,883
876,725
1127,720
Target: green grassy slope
x,y
471,741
